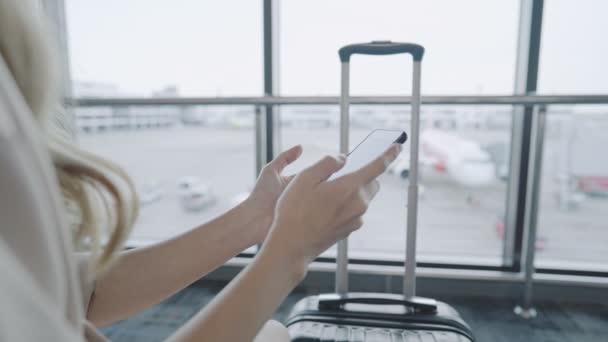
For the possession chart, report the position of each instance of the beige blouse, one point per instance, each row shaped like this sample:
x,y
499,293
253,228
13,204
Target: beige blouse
x,y
43,296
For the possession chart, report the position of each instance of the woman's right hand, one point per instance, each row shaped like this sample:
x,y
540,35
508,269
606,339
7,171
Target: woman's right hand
x,y
312,213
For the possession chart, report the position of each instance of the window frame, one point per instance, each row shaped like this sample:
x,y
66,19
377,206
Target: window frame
x,y
518,194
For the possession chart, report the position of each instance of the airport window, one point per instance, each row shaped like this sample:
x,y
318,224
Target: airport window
x,y
463,196
573,57
189,163
200,49
471,45
165,48
572,224
471,50
170,49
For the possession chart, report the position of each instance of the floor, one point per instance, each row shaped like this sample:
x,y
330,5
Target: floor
x,y
491,320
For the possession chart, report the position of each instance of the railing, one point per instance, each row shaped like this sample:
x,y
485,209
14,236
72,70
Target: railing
x,y
334,100
539,101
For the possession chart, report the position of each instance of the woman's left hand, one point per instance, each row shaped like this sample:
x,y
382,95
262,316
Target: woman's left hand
x,y
270,186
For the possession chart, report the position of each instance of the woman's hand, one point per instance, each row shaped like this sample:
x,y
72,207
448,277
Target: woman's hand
x,y
269,187
313,213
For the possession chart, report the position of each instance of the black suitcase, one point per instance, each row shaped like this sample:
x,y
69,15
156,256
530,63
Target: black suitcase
x,y
378,317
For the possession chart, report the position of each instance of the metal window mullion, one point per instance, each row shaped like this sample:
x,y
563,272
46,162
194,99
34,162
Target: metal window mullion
x,y
270,42
258,140
55,11
524,236
526,76
535,172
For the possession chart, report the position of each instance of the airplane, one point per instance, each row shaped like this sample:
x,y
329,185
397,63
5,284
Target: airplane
x,y
581,174
461,160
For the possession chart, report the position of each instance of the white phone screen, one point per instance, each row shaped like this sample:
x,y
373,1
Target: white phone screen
x,y
369,149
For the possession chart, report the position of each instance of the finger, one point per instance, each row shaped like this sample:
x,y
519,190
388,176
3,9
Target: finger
x,y
286,157
376,167
369,191
353,225
290,178
324,168
357,203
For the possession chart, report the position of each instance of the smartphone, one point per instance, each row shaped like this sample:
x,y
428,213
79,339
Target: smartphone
x,y
369,149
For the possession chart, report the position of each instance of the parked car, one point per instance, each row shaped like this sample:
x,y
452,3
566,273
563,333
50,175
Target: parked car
x,y
150,192
194,195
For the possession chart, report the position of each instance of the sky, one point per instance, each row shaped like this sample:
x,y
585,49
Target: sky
x,y
214,48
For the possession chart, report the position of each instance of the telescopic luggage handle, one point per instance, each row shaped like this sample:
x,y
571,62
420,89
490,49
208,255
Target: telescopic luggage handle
x,y
381,47
337,302
385,48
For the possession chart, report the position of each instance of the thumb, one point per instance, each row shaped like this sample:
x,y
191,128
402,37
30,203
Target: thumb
x,y
286,157
321,170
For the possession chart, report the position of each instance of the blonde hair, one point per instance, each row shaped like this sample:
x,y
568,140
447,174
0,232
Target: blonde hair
x,y
99,196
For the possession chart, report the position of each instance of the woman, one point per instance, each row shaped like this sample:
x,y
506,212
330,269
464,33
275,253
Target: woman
x,y
50,292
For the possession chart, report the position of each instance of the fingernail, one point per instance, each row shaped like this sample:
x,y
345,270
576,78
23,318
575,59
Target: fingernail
x,y
395,151
342,157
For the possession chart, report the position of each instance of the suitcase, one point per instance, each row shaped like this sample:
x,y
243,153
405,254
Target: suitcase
x,y
344,316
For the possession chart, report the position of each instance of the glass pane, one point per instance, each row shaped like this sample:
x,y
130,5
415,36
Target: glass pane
x,y
574,51
464,158
165,48
173,154
572,225
470,45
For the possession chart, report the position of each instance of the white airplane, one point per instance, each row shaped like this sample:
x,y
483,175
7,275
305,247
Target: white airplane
x,y
461,160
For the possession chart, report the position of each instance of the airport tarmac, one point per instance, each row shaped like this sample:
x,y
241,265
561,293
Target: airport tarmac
x,y
452,230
